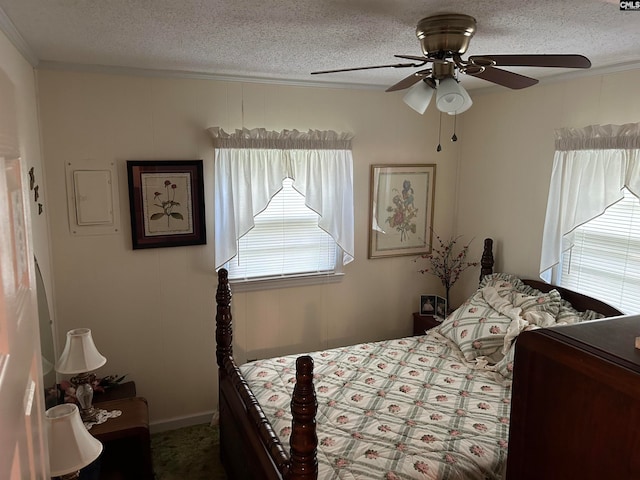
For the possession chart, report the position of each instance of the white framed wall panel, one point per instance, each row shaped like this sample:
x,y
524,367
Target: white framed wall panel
x,y
92,197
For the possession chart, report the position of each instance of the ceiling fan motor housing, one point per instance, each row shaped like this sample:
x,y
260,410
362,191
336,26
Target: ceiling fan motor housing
x,y
443,70
448,33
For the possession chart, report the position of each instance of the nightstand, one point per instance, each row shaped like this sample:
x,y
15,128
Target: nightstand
x,y
107,466
126,440
422,323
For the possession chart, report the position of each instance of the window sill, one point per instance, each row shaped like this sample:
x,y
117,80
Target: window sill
x,y
284,282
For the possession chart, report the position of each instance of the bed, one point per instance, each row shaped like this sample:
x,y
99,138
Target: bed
x,y
429,406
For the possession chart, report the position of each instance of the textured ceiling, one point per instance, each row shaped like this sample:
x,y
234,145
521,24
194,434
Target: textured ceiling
x,y
287,39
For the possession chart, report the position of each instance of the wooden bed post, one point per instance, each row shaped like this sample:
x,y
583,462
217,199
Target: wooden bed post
x,y
224,334
303,441
486,261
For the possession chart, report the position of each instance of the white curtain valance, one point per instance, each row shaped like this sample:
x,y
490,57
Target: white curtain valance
x,y
286,139
591,166
599,137
247,177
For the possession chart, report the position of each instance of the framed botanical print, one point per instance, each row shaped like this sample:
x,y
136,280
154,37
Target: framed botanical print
x,y
166,199
401,209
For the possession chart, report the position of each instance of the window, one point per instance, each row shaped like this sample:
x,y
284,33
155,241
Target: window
x,y
591,238
286,240
283,206
604,261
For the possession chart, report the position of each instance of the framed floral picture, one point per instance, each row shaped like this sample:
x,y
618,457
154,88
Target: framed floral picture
x,y
401,209
166,198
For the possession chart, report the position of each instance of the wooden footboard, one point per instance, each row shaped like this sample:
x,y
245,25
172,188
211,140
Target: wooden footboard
x,y
249,447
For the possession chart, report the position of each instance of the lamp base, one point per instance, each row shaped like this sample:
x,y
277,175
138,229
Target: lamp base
x,y
89,414
84,394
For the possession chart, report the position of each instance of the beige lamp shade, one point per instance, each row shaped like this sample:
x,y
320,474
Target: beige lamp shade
x,y
80,354
71,446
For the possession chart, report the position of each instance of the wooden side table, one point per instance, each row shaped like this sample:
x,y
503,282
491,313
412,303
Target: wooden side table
x,y
126,439
422,323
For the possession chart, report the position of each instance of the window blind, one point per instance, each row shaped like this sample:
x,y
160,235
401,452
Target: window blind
x,y
285,240
604,261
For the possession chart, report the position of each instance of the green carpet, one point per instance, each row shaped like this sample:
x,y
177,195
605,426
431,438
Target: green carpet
x,y
191,453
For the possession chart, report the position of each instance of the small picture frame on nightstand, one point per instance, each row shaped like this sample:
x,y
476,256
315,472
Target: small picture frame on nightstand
x,y
441,307
433,305
428,304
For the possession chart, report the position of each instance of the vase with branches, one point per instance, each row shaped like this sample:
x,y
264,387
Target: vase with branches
x,y
446,263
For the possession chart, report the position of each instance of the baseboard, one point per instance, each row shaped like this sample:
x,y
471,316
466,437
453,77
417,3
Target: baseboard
x,y
187,421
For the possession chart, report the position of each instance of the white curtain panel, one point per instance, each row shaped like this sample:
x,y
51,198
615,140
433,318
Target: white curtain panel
x,y
250,166
591,166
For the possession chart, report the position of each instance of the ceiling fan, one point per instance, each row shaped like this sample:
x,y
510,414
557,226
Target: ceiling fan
x,y
444,38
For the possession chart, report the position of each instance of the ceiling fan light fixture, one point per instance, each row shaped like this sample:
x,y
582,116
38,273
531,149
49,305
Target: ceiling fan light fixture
x,y
449,95
419,96
466,105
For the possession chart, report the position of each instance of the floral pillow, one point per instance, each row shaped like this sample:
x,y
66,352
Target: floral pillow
x,y
477,328
568,314
507,284
504,283
549,303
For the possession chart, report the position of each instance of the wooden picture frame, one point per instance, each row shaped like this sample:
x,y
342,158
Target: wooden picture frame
x,y
401,209
166,199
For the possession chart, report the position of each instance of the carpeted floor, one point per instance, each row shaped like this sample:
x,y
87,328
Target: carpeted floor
x,y
191,453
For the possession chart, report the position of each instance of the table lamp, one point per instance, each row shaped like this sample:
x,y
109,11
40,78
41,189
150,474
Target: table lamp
x,y
79,357
71,446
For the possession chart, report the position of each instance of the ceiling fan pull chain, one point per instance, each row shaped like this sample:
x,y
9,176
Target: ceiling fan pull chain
x,y
454,138
439,147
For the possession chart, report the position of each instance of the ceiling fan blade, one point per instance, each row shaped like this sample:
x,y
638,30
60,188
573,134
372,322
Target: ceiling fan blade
x,y
409,81
422,59
395,65
505,78
561,61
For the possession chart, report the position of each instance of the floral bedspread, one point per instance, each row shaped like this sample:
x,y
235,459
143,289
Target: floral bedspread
x,y
409,408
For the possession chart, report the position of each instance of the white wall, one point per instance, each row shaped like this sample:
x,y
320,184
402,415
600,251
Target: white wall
x,y
22,76
507,154
152,311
